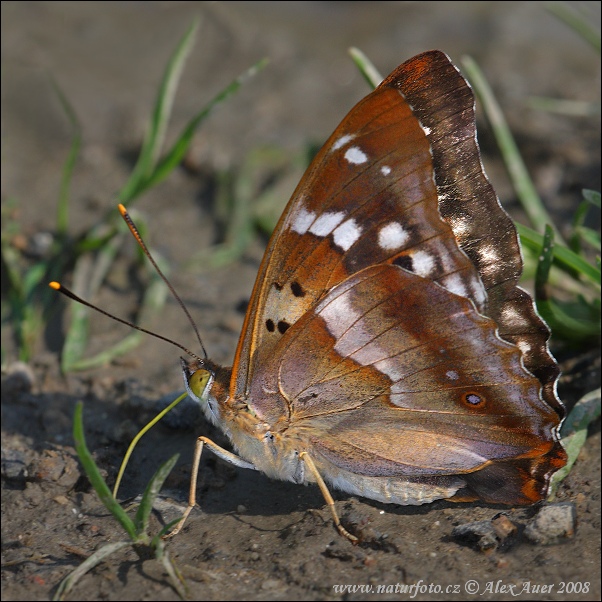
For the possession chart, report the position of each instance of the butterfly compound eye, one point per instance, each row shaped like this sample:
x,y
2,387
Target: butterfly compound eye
x,y
198,381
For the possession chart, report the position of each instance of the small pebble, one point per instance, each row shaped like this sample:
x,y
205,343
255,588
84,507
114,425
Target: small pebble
x,y
552,523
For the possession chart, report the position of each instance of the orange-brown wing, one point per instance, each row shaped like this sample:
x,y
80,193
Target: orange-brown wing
x,y
399,182
362,201
393,375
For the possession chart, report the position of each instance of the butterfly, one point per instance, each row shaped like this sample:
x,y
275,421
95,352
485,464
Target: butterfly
x,y
387,350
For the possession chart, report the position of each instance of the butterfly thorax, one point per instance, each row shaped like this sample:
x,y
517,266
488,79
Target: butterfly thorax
x,y
256,441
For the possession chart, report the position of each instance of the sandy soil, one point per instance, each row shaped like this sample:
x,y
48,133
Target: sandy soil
x,y
251,538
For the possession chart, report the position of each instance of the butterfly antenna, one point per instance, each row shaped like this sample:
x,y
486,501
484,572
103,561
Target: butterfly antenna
x,y
65,291
134,230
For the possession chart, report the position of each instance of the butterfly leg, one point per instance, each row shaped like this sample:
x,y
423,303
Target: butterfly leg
x,y
220,452
327,497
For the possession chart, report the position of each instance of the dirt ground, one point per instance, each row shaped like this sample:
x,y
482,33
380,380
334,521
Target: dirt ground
x,y
251,538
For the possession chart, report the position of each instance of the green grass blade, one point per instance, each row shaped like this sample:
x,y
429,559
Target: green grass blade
x,y
87,278
150,494
177,152
139,436
165,530
562,323
101,488
566,325
175,577
95,559
574,432
153,301
546,257
62,214
564,107
564,256
589,237
153,142
583,24
104,358
578,220
366,67
592,196
517,170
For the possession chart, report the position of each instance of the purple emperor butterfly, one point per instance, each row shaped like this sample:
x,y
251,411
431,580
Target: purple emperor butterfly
x,y
387,349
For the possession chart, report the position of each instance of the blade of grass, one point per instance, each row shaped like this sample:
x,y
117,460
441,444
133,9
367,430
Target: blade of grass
x,y
177,152
592,196
176,578
366,67
153,300
150,494
139,436
95,559
574,432
561,323
101,488
582,24
589,237
531,239
578,220
522,183
561,106
151,148
87,277
62,214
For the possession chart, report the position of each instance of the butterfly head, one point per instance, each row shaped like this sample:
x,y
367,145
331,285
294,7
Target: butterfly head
x,y
199,377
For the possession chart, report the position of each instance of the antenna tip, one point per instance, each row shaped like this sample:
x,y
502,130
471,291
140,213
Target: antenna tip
x,y
122,209
55,285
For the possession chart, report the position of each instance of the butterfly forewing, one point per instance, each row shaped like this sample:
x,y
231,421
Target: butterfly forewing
x,y
369,197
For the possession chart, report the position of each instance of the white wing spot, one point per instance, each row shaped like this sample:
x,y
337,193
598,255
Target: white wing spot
x,y
342,141
302,221
326,223
479,292
512,315
523,346
385,170
452,375
423,263
489,253
356,155
346,234
392,237
339,315
454,284
390,368
425,129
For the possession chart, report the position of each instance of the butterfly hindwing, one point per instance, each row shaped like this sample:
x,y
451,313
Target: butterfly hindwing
x,y
360,371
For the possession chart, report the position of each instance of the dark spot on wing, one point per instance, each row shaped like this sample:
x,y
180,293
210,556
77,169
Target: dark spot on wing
x,y
297,289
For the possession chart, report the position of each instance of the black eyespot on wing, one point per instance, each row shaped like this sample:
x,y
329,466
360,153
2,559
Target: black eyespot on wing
x,y
283,326
269,324
405,262
297,289
278,286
